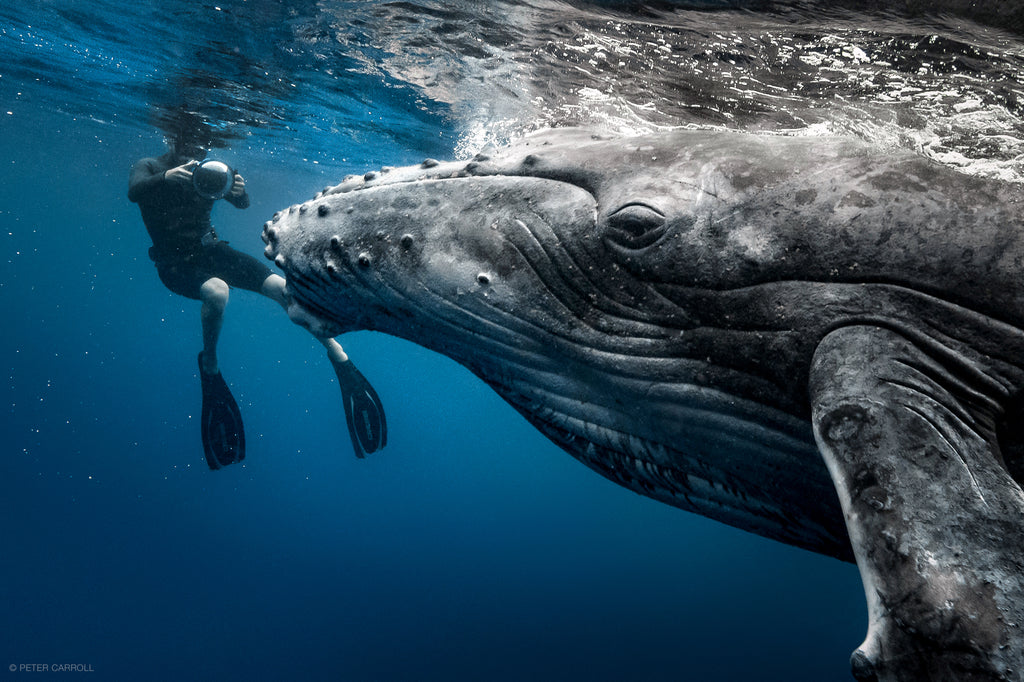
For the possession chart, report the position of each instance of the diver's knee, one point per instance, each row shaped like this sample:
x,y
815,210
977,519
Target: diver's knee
x,y
274,287
214,291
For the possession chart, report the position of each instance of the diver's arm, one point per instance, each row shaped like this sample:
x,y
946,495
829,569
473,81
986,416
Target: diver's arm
x,y
146,175
238,196
181,174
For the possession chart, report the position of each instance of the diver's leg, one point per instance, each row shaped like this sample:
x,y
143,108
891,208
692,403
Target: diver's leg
x,y
220,419
335,353
364,413
936,522
275,288
214,295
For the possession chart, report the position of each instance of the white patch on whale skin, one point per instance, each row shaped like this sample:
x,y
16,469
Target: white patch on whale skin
x,y
753,242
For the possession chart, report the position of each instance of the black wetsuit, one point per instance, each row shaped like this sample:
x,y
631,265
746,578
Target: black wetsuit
x,y
186,249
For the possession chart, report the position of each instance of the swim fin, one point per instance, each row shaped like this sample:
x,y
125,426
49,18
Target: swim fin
x,y
364,413
220,422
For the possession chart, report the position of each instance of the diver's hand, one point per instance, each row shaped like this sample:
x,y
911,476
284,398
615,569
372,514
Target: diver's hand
x,y
238,188
181,174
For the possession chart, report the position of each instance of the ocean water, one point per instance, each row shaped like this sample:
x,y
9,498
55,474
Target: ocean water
x,y
470,548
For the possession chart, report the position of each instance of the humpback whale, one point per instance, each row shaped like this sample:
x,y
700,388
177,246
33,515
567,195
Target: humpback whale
x,y
807,337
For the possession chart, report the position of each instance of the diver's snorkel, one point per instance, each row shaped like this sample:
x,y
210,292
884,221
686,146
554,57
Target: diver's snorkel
x,y
213,179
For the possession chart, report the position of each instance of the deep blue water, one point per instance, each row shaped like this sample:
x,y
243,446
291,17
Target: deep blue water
x,y
471,548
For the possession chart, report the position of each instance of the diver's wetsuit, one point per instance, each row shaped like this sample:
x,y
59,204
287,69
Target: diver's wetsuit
x,y
185,249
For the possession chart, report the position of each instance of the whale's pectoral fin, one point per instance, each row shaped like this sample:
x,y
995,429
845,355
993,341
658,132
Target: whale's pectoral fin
x,y
936,522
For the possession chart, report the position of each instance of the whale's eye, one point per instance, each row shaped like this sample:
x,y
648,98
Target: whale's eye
x,y
635,225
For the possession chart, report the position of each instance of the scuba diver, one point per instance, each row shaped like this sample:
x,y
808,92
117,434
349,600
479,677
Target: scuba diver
x,y
176,193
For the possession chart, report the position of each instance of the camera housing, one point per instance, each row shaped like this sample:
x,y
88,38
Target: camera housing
x,y
213,179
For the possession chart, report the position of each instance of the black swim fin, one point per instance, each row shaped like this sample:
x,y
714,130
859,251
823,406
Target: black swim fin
x,y
220,422
364,413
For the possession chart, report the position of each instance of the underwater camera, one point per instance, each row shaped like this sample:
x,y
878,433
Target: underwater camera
x,y
213,179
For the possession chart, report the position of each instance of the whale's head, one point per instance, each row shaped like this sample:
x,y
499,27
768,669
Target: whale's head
x,y
561,236
563,243
576,275
524,249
